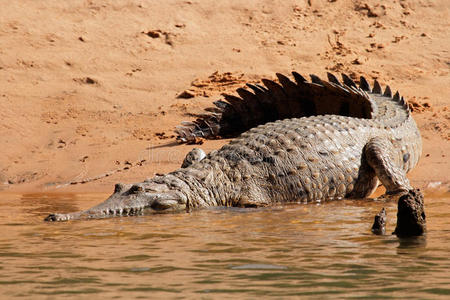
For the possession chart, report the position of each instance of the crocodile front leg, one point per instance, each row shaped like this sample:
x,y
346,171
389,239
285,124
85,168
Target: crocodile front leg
x,y
380,155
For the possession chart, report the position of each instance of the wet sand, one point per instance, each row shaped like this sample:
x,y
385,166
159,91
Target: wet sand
x,y
90,89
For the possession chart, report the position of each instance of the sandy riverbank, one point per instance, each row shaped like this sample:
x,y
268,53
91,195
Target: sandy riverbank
x,y
88,88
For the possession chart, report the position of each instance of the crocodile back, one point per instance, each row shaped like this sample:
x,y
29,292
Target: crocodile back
x,y
259,104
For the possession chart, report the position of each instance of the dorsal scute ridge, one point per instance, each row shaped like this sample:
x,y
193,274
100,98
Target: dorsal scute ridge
x,y
333,79
293,97
396,96
376,87
364,84
381,97
387,92
315,79
405,105
348,81
299,78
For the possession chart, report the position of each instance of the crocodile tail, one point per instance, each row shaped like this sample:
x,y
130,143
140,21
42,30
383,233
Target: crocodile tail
x,y
387,94
258,104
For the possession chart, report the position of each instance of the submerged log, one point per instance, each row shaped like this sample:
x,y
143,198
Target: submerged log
x,y
379,224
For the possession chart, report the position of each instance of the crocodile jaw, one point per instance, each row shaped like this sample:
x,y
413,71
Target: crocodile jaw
x,y
129,200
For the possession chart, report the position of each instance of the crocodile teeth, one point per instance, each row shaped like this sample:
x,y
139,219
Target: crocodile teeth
x,y
376,87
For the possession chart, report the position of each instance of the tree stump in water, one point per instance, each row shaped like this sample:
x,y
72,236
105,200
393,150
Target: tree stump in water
x,y
379,224
410,215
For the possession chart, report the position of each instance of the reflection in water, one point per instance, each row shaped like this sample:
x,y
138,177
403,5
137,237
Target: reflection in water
x,y
324,250
413,242
38,204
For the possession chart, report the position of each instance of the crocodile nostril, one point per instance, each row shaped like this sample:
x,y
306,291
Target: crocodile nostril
x,y
51,218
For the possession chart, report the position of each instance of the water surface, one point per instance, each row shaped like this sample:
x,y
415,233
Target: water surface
x,y
307,250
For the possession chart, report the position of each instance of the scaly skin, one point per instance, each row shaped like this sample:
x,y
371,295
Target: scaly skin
x,y
313,158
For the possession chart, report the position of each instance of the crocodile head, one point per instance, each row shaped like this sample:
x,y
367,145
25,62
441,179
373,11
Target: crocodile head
x,y
129,200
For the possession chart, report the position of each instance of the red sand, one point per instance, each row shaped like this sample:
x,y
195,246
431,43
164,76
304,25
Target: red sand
x,y
89,88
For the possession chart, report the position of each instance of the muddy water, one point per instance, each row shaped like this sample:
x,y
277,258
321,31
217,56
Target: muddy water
x,y
309,250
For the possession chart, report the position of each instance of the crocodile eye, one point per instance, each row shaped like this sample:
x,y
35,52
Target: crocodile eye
x,y
135,189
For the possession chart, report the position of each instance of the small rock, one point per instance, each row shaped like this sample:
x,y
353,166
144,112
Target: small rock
x,y
187,94
153,33
356,62
86,80
89,80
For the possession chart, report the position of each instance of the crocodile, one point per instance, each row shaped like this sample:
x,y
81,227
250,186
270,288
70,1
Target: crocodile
x,y
294,141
